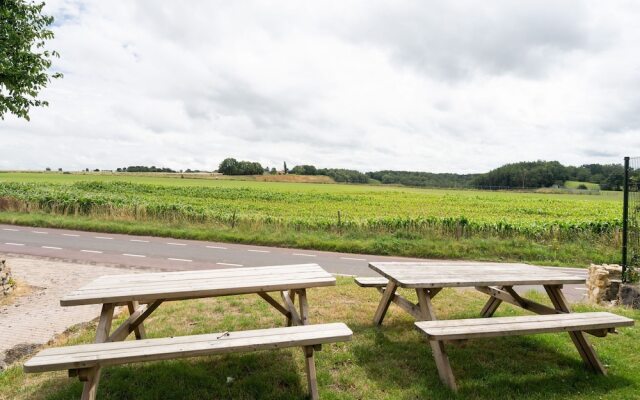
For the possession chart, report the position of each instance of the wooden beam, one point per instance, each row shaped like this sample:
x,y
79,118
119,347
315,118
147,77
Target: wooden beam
x,y
405,304
139,330
579,339
304,307
134,320
91,376
385,301
275,304
507,297
294,319
310,367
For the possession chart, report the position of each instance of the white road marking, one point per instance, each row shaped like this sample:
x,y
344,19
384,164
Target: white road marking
x,y
230,265
91,251
10,229
138,240
581,288
179,259
40,232
70,234
216,247
133,255
52,247
259,251
14,244
176,244
353,258
103,237
304,255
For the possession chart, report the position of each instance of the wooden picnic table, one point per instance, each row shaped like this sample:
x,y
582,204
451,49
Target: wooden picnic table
x,y
143,293
496,280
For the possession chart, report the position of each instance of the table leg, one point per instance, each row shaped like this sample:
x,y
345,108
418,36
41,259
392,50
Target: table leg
x,y
139,330
292,318
387,296
304,307
579,339
437,347
90,388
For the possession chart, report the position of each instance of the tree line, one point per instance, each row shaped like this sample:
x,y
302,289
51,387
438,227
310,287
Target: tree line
x,y
526,174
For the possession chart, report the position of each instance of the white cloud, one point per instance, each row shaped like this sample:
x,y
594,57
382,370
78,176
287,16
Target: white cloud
x,y
457,86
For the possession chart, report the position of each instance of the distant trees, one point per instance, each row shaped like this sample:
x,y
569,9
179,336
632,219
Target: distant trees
x,y
524,175
141,168
427,179
338,174
231,166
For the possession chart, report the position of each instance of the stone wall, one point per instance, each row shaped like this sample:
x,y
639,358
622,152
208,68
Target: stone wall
x,y
603,283
7,284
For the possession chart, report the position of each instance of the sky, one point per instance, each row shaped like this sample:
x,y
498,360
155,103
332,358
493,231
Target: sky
x,y
455,86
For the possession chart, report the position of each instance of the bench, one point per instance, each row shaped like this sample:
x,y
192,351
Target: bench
x,y
376,281
84,360
574,323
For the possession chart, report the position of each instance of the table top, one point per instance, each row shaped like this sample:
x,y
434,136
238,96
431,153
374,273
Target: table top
x,y
468,274
198,284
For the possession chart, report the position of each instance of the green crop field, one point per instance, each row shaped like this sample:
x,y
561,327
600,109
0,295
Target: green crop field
x,y
544,228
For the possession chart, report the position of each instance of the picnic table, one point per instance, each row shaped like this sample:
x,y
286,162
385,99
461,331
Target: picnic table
x,y
497,280
144,293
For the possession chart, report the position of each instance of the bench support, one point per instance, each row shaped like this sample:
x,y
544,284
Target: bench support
x,y
579,339
310,367
92,375
389,296
437,347
139,330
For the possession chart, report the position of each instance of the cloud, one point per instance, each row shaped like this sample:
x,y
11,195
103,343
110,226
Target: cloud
x,y
454,86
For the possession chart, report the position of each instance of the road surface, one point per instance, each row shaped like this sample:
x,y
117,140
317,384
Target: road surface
x,y
178,254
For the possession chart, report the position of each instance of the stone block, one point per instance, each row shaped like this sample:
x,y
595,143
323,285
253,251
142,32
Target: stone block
x,y
629,295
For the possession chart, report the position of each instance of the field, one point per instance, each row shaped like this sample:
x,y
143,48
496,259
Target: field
x,y
575,184
541,228
391,362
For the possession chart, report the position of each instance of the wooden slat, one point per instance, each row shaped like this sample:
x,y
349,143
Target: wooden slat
x,y
194,284
523,325
363,281
463,274
114,353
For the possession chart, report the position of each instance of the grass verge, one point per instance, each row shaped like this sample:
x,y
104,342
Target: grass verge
x,y
577,252
391,362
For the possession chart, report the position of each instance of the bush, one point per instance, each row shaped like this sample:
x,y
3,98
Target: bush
x,y
231,166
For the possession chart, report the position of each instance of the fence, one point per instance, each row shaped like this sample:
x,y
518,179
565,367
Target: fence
x,y
631,219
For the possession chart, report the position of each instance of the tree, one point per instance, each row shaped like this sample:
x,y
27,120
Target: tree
x,y
24,63
285,168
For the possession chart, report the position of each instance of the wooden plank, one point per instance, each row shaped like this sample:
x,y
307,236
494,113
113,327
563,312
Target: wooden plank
x,y
404,304
430,274
195,292
294,319
522,325
92,376
114,353
304,307
275,304
385,301
371,281
139,329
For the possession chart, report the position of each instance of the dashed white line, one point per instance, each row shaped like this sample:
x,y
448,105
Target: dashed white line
x,y
133,255
353,258
40,232
230,264
103,237
216,247
179,259
10,229
304,255
139,240
14,244
258,251
91,251
176,244
52,247
581,288
70,234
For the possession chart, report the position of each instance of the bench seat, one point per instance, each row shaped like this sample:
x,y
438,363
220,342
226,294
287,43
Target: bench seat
x,y
86,360
523,325
375,281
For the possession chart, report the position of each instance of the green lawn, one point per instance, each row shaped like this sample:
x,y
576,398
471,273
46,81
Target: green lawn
x,y
392,362
575,184
566,229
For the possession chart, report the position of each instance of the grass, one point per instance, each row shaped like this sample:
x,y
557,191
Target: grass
x,y
391,362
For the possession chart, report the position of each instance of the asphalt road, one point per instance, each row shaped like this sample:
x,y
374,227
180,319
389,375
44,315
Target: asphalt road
x,y
178,254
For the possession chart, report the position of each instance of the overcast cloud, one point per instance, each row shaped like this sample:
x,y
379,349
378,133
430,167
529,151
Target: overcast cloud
x,y
456,86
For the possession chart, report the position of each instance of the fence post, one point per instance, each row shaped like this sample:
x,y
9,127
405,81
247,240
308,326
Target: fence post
x,y
625,220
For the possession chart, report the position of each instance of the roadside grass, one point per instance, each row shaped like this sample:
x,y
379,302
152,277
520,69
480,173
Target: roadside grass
x,y
577,252
391,362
